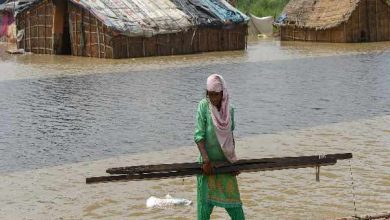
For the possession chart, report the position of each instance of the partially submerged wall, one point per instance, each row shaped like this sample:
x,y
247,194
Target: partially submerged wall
x,y
62,27
36,25
369,22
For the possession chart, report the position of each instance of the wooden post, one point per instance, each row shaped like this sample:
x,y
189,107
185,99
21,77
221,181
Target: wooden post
x,y
376,20
98,36
219,40
182,43
208,39
90,33
237,41
230,43
199,35
38,24
143,46
104,42
127,46
44,43
25,32
345,34
368,23
29,29
294,33
168,43
76,44
157,45
72,38
358,11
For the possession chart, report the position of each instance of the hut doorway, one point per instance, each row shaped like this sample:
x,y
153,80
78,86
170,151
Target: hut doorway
x,y
66,44
62,44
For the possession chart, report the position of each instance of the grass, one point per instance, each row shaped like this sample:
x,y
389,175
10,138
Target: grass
x,y
262,8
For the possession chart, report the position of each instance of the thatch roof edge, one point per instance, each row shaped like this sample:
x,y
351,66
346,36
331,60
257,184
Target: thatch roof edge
x,y
324,26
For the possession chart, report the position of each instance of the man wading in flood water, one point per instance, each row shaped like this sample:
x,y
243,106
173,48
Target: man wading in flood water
x,y
214,137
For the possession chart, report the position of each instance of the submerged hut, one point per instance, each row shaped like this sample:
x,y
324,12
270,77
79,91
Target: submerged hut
x,y
6,21
336,20
130,28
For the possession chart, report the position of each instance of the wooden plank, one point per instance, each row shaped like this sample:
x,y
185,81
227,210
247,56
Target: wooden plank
x,y
143,47
29,29
44,43
90,34
98,37
366,217
127,46
376,20
104,41
249,167
195,165
25,33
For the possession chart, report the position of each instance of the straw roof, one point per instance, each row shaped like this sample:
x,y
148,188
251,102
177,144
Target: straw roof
x,y
319,14
151,17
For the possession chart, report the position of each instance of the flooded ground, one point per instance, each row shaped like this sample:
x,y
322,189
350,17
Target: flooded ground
x,y
61,193
65,118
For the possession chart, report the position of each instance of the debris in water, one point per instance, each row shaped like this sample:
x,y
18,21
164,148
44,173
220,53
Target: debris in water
x,y
155,202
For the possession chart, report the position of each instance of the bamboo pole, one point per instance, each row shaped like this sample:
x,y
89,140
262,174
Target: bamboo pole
x,y
29,29
368,23
169,167
25,33
219,40
376,20
98,36
76,44
366,217
90,34
127,46
44,42
230,43
104,42
189,169
251,167
143,46
345,34
38,36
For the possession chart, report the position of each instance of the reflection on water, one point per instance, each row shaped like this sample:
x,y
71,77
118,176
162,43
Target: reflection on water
x,y
61,192
290,98
38,65
131,106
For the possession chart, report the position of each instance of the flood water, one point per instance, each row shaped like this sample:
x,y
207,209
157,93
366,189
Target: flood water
x,y
64,118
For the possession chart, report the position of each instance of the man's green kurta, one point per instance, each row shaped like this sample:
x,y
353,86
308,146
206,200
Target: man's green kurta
x,y
220,189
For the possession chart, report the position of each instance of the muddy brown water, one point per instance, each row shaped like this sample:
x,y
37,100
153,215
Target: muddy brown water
x,y
65,118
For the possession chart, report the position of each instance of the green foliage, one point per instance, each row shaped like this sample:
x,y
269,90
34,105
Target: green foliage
x,y
262,7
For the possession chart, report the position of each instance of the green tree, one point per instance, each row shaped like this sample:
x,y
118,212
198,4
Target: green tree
x,y
262,7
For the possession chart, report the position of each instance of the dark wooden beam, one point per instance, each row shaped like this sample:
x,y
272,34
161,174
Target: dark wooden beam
x,y
189,169
195,165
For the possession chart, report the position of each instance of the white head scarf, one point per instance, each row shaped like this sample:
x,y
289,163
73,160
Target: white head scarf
x,y
221,119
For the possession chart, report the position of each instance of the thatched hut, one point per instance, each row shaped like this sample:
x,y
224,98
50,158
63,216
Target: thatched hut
x,y
336,20
7,25
130,28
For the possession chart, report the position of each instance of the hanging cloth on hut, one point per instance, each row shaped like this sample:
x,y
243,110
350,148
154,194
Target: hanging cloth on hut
x,y
261,25
4,25
221,9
